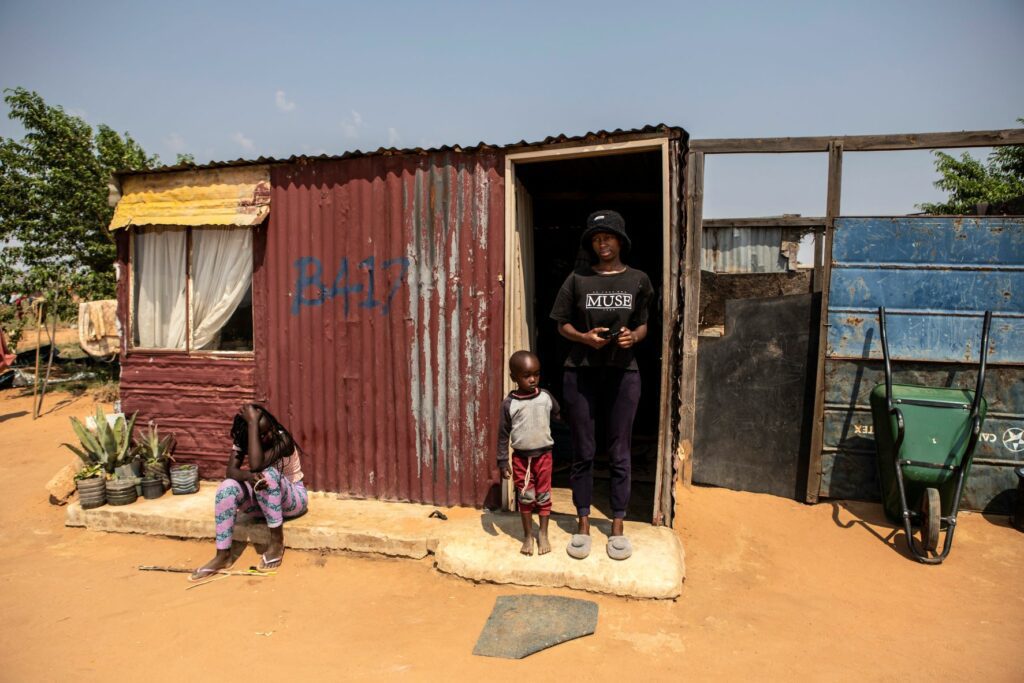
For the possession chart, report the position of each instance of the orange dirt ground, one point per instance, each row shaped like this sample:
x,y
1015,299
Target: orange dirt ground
x,y
776,590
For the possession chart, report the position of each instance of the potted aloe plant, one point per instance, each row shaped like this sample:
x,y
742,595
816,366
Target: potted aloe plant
x,y
155,454
102,450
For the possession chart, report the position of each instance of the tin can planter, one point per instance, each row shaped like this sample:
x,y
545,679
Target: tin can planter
x,y
152,488
184,479
92,492
121,491
159,471
131,472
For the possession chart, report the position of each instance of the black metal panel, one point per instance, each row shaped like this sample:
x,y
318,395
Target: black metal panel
x,y
755,396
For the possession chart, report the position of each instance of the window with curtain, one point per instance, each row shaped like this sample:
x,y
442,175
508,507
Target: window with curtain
x,y
192,289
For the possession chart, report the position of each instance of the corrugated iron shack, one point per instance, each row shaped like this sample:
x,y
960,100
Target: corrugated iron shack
x,y
370,300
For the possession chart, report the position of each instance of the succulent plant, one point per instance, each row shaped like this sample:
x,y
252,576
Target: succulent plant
x,y
152,449
106,446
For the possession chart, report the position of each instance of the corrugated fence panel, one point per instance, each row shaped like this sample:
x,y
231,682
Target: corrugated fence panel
x,y
385,309
936,276
743,250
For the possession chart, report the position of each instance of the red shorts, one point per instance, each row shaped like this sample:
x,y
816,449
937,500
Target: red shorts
x,y
540,483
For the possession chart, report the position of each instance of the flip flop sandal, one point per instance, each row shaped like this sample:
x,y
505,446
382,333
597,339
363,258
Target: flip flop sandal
x,y
202,574
269,563
619,548
579,546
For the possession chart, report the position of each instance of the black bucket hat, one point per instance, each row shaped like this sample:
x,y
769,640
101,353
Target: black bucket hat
x,y
605,221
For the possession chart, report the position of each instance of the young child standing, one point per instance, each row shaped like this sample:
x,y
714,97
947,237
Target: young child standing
x,y
526,422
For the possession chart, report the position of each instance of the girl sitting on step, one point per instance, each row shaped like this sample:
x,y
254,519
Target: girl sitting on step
x,y
271,486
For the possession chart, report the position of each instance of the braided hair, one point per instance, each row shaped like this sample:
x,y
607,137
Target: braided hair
x,y
281,438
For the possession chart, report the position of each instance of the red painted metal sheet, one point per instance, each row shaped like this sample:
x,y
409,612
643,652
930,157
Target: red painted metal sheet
x,y
384,322
192,397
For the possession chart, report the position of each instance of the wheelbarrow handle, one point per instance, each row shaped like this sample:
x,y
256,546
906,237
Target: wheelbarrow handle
x,y
885,356
985,329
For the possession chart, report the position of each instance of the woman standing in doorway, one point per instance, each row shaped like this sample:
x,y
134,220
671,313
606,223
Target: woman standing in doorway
x,y
602,310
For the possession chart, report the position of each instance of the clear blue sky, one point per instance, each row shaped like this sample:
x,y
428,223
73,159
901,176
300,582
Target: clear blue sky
x,y
227,80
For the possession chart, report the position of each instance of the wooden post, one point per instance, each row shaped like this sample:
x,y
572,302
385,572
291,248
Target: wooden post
x,y
39,305
672,225
832,204
691,309
49,364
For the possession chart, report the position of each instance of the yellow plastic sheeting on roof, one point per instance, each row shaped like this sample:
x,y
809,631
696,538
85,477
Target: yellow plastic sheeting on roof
x,y
223,196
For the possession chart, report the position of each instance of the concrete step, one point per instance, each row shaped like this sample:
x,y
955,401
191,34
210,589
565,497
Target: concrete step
x,y
365,526
656,569
474,545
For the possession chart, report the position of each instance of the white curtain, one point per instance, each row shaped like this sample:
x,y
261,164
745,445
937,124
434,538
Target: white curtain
x,y
159,274
221,275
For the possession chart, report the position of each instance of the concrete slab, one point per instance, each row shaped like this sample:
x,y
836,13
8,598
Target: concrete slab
x,y
656,569
473,545
395,529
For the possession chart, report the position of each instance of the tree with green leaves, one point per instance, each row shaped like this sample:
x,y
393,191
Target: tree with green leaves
x,y
997,183
53,202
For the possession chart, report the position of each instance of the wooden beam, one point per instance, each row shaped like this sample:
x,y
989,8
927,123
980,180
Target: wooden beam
x,y
832,206
597,196
573,150
766,222
861,143
691,310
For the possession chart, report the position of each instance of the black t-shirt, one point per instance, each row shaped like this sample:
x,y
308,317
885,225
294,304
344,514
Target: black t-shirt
x,y
589,299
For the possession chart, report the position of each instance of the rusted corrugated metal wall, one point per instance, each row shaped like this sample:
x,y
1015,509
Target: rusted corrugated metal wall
x,y
384,317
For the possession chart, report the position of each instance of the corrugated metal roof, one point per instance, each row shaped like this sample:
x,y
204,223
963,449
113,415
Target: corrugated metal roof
x,y
562,138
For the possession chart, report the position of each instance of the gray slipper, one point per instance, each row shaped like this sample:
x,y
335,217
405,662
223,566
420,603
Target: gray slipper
x,y
579,546
619,548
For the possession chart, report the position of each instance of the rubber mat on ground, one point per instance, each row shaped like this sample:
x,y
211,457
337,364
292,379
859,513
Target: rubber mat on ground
x,y
520,625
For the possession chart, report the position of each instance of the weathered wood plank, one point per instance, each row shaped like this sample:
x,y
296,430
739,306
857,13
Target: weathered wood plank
x,y
691,309
766,222
832,207
861,143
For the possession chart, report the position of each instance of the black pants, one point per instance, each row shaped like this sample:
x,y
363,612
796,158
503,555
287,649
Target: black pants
x,y
607,397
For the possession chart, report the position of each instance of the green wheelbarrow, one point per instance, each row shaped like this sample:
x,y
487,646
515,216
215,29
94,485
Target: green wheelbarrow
x,y
926,438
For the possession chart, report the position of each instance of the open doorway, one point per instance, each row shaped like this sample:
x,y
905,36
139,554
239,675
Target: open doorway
x,y
553,196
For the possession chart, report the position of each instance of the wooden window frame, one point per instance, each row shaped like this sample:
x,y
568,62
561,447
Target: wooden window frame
x,y
188,350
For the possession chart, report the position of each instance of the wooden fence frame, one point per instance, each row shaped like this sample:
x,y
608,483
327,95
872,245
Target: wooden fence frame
x,y
834,146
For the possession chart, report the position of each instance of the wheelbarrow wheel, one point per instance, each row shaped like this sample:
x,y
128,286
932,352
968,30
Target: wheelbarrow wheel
x,y
931,508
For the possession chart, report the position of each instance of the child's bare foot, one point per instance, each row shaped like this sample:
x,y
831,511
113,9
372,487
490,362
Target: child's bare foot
x,y
543,546
527,548
222,560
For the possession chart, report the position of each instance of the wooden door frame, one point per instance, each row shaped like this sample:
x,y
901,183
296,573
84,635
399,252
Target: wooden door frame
x,y
668,288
